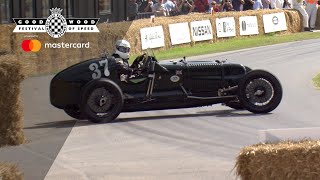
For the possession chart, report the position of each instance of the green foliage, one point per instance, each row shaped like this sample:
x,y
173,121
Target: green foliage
x,y
316,81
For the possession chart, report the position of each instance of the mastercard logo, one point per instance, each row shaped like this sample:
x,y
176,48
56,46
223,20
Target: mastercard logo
x,y
31,45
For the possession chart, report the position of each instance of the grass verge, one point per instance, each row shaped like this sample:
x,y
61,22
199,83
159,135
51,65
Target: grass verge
x,y
316,81
232,44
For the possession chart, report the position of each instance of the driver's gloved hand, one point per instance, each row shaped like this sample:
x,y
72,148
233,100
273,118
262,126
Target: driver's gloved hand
x,y
137,60
138,72
134,71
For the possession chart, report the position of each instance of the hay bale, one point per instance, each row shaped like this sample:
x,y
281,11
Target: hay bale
x,y
110,32
68,57
294,20
53,60
284,160
35,62
6,45
94,49
11,126
294,24
10,172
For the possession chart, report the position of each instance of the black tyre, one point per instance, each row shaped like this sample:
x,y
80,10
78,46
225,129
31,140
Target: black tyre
x,y
102,101
235,105
74,112
260,91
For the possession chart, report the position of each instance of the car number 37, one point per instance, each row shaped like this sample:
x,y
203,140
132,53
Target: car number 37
x,y
97,72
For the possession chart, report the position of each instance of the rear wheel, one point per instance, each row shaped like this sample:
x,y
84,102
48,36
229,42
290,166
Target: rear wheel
x,y
260,91
102,101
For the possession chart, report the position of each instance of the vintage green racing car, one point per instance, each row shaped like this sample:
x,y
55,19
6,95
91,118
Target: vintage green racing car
x,y
95,90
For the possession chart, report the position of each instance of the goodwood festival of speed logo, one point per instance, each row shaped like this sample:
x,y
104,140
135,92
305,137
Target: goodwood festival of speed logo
x,y
55,25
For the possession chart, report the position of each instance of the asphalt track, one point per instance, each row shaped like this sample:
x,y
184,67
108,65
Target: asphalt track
x,y
195,143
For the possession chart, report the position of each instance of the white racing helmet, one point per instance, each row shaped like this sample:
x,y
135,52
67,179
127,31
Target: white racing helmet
x,y
122,49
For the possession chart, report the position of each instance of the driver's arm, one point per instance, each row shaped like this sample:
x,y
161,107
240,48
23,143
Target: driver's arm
x,y
124,68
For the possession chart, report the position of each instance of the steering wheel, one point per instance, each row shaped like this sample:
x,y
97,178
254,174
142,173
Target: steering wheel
x,y
140,63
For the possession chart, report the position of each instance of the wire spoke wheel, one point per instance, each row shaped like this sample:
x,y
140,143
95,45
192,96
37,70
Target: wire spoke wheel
x,y
259,92
102,101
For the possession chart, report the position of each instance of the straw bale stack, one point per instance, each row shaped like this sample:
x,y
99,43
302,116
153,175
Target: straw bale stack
x,y
6,39
11,125
53,60
133,33
281,161
10,172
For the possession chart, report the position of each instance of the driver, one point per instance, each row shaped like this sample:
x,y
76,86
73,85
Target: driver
x,y
121,53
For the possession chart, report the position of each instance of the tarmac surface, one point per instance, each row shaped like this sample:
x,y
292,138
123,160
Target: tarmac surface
x,y
194,143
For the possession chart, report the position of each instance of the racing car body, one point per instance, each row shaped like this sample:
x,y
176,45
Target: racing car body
x,y
95,90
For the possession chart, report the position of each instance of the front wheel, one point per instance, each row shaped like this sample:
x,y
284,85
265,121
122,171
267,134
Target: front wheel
x,y
260,91
102,101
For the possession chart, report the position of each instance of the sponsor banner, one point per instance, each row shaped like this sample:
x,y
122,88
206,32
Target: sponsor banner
x,y
225,27
274,22
28,28
79,28
201,30
179,33
39,25
56,25
248,25
33,45
152,37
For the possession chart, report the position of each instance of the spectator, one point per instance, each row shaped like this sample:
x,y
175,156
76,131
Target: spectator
x,y
201,6
170,7
139,2
238,5
257,5
287,4
214,7
298,5
185,6
248,5
276,4
266,4
226,6
210,5
132,9
159,9
312,9
146,6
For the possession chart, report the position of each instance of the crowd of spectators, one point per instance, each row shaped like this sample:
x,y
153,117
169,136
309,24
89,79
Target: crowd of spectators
x,y
177,7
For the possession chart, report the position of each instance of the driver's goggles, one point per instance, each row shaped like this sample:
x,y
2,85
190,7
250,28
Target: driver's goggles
x,y
123,49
